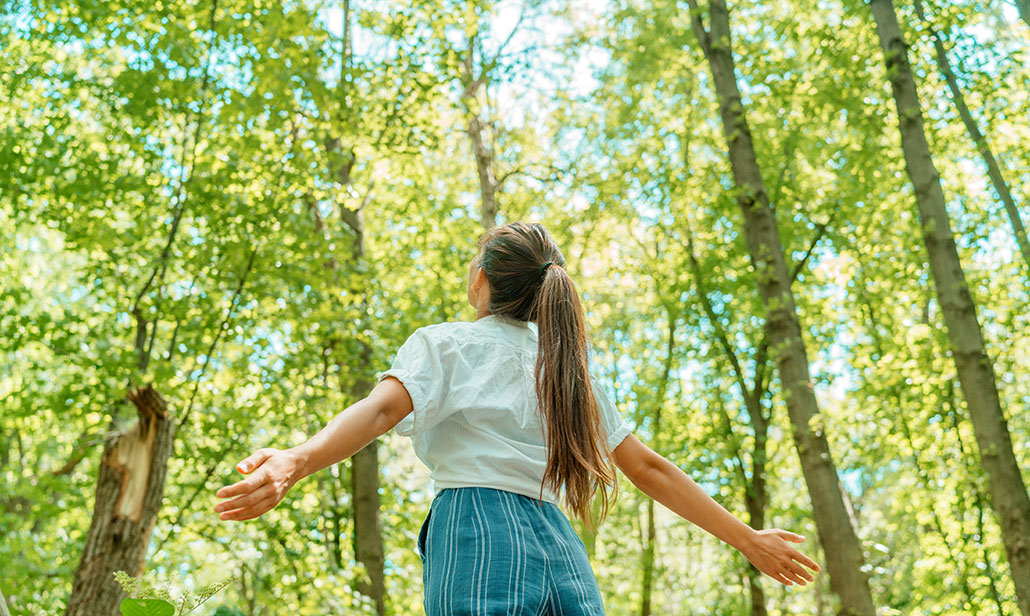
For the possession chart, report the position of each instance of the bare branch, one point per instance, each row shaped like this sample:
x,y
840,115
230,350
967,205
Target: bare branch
x,y
222,326
820,231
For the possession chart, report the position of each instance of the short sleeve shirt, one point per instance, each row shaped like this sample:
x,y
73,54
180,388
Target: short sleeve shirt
x,y
475,420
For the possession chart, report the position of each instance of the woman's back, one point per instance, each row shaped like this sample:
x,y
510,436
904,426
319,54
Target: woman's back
x,y
476,420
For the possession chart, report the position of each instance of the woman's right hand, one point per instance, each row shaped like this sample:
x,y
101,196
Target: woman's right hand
x,y
771,552
272,473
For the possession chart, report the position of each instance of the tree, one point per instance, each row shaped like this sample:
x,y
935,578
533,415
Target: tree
x,y
1008,494
979,139
840,543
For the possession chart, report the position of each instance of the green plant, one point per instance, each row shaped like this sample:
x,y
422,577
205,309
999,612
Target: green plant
x,y
152,598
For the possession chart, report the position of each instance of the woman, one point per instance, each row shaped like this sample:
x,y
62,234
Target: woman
x,y
509,422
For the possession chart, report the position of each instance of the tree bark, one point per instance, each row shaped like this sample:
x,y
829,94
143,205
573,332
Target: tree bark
x,y
130,489
1007,491
840,543
979,140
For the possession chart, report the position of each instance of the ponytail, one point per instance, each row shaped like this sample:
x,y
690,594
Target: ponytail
x,y
527,277
577,454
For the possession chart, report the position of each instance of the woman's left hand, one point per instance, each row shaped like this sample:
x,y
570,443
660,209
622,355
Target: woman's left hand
x,y
771,552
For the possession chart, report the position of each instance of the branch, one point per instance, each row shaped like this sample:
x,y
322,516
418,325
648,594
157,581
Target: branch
x,y
222,326
702,35
180,196
732,439
820,231
706,304
761,365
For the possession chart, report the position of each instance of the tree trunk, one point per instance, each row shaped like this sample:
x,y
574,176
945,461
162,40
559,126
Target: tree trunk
x,y
129,494
647,562
840,543
368,537
3,605
1007,491
980,141
488,184
756,496
648,556
755,491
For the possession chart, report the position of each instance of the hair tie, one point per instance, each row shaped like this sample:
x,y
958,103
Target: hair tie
x,y
543,268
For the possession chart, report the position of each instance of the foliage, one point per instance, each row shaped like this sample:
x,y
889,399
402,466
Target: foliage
x,y
172,211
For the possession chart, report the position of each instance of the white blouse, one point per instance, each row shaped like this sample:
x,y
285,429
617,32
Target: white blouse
x,y
475,420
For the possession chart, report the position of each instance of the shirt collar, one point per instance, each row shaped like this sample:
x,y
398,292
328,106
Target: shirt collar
x,y
496,318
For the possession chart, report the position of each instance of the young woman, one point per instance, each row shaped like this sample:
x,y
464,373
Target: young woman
x,y
510,423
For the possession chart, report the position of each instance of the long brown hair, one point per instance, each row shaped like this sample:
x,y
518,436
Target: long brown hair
x,y
528,282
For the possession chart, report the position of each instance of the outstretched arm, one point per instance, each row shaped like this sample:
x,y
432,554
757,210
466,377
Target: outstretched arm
x,y
273,472
663,481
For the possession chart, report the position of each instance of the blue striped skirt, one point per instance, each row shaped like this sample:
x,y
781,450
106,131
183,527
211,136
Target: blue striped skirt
x,y
488,552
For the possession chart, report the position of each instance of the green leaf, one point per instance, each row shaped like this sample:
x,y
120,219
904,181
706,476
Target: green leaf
x,y
146,607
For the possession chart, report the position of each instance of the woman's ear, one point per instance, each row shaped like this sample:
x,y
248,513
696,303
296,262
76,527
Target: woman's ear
x,y
479,279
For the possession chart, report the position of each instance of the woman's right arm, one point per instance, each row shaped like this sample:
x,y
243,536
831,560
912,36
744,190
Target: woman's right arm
x,y
663,481
273,472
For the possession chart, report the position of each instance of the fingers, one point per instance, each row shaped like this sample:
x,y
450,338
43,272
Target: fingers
x,y
785,575
781,579
799,574
804,560
240,502
241,487
254,511
789,536
255,460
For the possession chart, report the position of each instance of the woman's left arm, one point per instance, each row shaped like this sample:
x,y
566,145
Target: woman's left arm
x,y
273,472
769,550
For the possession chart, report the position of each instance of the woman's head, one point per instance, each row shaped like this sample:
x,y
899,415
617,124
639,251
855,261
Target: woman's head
x,y
526,280
514,261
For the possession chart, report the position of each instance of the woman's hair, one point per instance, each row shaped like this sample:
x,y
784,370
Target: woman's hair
x,y
528,282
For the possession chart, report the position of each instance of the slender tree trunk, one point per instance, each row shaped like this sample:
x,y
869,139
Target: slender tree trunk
x,y
130,488
484,166
3,605
650,540
364,476
1007,490
488,184
755,491
840,543
368,533
368,537
756,497
647,562
980,141
892,396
